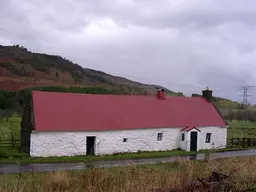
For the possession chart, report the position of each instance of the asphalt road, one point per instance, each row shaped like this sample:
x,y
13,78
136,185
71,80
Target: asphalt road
x,y
50,167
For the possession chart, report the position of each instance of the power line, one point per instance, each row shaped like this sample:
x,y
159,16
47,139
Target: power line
x,y
245,94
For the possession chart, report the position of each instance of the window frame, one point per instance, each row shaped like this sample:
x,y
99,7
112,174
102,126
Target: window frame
x,y
182,136
208,137
159,136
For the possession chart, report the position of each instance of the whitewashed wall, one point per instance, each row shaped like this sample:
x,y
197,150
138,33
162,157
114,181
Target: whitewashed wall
x,y
45,144
218,138
183,144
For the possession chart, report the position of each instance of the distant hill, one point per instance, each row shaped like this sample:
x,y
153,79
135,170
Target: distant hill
x,y
222,102
20,68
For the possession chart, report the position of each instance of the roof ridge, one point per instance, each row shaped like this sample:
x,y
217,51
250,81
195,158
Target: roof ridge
x,y
114,95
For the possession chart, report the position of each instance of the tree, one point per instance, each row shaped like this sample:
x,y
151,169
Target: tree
x,y
57,75
195,95
180,94
5,102
24,71
251,116
230,115
239,115
242,106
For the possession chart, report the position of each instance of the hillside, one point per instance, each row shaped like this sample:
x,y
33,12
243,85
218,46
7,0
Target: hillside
x,y
20,68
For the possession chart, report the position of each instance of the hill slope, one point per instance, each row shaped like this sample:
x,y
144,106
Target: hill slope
x,y
21,68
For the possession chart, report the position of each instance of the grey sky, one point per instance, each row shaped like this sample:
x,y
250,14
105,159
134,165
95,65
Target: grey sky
x,y
184,45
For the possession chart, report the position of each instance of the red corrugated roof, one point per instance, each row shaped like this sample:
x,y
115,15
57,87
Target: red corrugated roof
x,y
88,112
189,128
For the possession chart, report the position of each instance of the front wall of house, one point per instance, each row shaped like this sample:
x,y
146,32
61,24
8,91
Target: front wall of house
x,y
183,144
218,137
107,142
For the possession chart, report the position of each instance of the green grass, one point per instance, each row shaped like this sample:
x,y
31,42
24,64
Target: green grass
x,y
10,127
237,129
24,159
12,156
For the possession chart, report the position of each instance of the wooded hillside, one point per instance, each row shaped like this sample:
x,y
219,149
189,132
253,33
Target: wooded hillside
x,y
21,68
22,71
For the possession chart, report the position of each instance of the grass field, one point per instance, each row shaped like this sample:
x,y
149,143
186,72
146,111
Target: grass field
x,y
10,127
180,176
241,129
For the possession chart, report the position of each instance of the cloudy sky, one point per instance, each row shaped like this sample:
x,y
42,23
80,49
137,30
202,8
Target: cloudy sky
x,y
184,45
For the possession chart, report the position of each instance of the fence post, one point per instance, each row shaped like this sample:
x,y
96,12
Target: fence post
x,y
248,142
239,142
243,142
12,140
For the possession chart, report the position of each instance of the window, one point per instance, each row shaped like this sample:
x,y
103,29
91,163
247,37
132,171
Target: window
x,y
125,140
208,138
182,136
159,136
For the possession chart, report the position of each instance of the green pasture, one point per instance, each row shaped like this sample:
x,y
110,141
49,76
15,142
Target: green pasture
x,y
239,129
10,127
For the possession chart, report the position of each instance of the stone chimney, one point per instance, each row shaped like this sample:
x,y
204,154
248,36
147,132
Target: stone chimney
x,y
160,94
207,94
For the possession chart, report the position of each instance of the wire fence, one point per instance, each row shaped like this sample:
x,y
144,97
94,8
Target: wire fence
x,y
13,143
244,142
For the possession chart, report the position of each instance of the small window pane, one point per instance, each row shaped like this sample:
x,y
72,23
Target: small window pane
x,y
125,140
159,136
208,138
183,136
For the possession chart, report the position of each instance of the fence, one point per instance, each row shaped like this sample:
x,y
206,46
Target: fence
x,y
242,142
14,143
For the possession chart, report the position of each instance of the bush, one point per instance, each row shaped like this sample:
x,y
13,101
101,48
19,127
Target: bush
x,y
9,153
5,103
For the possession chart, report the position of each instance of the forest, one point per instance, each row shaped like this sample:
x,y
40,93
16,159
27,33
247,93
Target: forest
x,y
14,101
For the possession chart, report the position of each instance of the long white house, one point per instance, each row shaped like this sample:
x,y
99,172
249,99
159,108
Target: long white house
x,y
68,124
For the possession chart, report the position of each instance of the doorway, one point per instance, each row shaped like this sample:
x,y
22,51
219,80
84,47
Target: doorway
x,y
90,145
193,141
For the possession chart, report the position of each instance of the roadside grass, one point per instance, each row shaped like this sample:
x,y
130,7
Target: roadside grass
x,y
23,158
179,176
13,156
